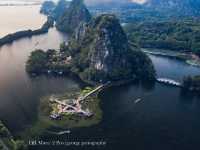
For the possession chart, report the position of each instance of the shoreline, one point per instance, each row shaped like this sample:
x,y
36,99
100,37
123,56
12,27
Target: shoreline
x,y
66,130
10,38
66,122
190,59
46,125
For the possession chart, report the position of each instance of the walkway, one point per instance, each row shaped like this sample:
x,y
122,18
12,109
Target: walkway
x,y
90,93
66,108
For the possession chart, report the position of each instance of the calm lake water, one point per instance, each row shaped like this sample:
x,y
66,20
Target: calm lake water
x,y
164,119
17,18
19,95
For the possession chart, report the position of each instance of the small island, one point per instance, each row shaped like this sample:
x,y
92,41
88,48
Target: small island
x,y
75,108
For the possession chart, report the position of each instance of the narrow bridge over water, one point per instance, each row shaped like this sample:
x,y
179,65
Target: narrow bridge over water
x,y
92,92
82,98
78,107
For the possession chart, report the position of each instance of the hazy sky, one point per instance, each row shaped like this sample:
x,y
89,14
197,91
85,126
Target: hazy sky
x,y
104,1
87,1
139,1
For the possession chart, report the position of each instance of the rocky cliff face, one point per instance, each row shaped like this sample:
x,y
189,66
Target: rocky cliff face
x,y
73,16
60,9
47,7
101,52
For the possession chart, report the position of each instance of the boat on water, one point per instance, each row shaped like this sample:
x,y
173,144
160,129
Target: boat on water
x,y
137,100
59,133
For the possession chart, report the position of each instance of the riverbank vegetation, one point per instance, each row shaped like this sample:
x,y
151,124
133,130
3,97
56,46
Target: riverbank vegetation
x,y
189,58
50,62
7,141
178,35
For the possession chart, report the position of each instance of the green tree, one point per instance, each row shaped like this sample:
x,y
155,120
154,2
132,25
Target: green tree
x,y
37,62
20,145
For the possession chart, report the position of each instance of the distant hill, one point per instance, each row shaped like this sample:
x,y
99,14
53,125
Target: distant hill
x,y
75,14
60,8
178,35
150,10
47,8
176,7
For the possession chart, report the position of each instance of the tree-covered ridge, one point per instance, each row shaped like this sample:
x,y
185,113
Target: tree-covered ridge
x,y
47,7
60,8
174,35
73,16
175,7
55,10
100,51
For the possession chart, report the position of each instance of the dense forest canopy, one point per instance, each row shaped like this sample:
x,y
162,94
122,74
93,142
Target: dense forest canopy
x,y
182,35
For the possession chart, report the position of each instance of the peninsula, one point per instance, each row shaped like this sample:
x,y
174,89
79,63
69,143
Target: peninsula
x,y
27,33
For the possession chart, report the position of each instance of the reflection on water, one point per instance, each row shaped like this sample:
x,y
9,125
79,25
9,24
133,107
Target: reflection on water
x,y
14,56
19,95
173,68
163,119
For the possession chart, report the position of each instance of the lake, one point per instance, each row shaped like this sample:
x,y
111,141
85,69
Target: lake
x,y
19,94
17,18
164,118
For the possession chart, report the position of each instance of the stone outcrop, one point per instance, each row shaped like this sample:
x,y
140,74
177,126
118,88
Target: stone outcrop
x,y
101,52
74,15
